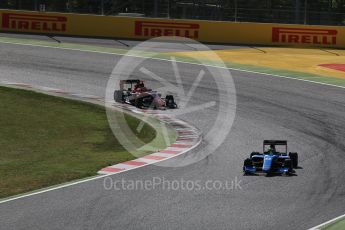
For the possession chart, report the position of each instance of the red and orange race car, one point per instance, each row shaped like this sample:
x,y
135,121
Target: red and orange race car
x,y
134,92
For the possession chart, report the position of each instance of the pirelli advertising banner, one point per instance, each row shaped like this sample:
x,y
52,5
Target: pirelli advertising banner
x,y
144,28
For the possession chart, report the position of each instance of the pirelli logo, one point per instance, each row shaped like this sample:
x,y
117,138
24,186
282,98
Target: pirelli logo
x,y
304,36
157,29
35,23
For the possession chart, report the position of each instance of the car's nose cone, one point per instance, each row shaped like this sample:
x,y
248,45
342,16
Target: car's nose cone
x,y
267,163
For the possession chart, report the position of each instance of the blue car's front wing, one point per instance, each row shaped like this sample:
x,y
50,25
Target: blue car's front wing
x,y
267,165
253,170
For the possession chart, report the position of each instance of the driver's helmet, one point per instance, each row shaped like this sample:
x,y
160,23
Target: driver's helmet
x,y
141,84
272,149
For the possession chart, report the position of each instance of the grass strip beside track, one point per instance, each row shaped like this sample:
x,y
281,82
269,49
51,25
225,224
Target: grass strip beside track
x,y
46,140
338,225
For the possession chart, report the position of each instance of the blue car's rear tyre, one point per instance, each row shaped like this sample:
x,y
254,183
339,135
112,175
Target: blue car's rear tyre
x,y
294,159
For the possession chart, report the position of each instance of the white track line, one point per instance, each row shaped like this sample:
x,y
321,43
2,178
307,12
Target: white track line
x,y
328,222
184,62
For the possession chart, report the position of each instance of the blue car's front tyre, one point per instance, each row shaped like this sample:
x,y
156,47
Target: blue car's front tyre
x,y
247,163
288,163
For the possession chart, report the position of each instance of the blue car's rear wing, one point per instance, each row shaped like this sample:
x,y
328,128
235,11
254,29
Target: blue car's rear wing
x,y
275,142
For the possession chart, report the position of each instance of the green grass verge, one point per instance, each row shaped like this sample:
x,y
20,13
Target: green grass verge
x,y
339,225
46,140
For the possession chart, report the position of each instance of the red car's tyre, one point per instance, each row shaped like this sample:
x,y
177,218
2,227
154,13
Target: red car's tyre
x,y
118,96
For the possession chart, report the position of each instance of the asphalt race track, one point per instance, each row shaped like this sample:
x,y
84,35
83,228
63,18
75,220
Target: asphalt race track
x,y
310,116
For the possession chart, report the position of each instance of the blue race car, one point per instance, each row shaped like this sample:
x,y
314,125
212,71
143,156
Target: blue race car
x,y
271,161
